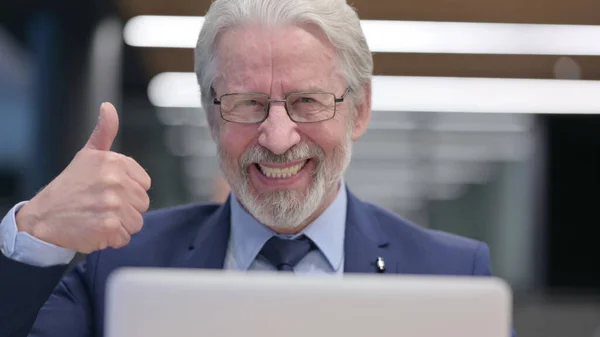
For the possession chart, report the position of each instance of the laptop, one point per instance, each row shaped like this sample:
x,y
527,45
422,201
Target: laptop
x,y
182,303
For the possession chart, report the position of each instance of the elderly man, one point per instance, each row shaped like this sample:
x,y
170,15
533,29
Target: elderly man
x,y
286,85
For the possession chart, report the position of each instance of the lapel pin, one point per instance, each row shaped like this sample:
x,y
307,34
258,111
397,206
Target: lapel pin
x,y
380,265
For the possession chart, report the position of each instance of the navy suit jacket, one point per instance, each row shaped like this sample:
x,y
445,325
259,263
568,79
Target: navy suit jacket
x,y
41,302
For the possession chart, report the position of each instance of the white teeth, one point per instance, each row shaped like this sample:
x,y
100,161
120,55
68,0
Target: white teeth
x,y
280,173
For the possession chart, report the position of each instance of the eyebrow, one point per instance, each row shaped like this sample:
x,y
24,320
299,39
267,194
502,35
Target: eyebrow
x,y
306,89
311,88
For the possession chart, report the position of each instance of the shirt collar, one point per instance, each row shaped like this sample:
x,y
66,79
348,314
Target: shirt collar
x,y
248,236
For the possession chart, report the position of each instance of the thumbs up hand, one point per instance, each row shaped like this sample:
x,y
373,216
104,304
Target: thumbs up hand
x,y
96,202
106,129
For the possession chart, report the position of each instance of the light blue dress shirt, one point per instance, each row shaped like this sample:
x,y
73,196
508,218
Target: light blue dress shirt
x,y
247,237
22,247
327,232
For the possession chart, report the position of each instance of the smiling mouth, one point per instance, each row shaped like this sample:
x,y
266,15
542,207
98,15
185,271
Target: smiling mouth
x,y
281,172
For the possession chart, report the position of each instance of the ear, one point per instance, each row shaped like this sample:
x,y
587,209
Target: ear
x,y
212,124
362,115
214,133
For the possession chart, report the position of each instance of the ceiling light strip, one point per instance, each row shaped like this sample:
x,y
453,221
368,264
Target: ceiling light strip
x,y
404,36
438,94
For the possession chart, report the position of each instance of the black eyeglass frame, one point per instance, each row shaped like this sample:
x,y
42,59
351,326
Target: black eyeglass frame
x,y
270,100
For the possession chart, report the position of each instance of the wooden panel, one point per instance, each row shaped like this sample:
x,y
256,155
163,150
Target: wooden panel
x,y
513,66
517,11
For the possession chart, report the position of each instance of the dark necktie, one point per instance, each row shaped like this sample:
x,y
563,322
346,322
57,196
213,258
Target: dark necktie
x,y
285,254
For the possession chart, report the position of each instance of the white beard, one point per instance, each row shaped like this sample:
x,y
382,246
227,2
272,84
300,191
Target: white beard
x,y
287,210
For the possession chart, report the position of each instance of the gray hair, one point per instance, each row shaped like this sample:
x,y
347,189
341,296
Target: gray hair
x,y
338,21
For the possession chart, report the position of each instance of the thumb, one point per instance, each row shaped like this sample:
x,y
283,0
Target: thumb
x,y
106,129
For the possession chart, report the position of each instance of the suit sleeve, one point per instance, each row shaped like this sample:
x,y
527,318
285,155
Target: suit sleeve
x,y
36,302
482,266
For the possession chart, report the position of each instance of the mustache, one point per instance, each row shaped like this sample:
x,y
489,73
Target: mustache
x,y
258,154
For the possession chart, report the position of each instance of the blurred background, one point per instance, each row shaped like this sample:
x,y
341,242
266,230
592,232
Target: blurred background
x,y
485,123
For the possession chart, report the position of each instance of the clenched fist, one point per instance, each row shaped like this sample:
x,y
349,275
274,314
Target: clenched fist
x,y
96,202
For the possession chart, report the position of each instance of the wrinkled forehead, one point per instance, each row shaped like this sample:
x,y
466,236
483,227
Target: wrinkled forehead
x,y
254,57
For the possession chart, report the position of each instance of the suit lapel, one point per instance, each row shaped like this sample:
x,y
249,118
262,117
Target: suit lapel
x,y
209,247
365,241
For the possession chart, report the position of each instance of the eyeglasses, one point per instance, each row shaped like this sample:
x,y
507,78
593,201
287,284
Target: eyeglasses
x,y
301,107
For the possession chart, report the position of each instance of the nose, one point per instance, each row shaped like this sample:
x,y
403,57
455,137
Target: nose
x,y
278,132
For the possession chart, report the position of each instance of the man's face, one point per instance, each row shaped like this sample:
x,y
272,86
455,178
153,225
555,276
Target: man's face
x,y
282,172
